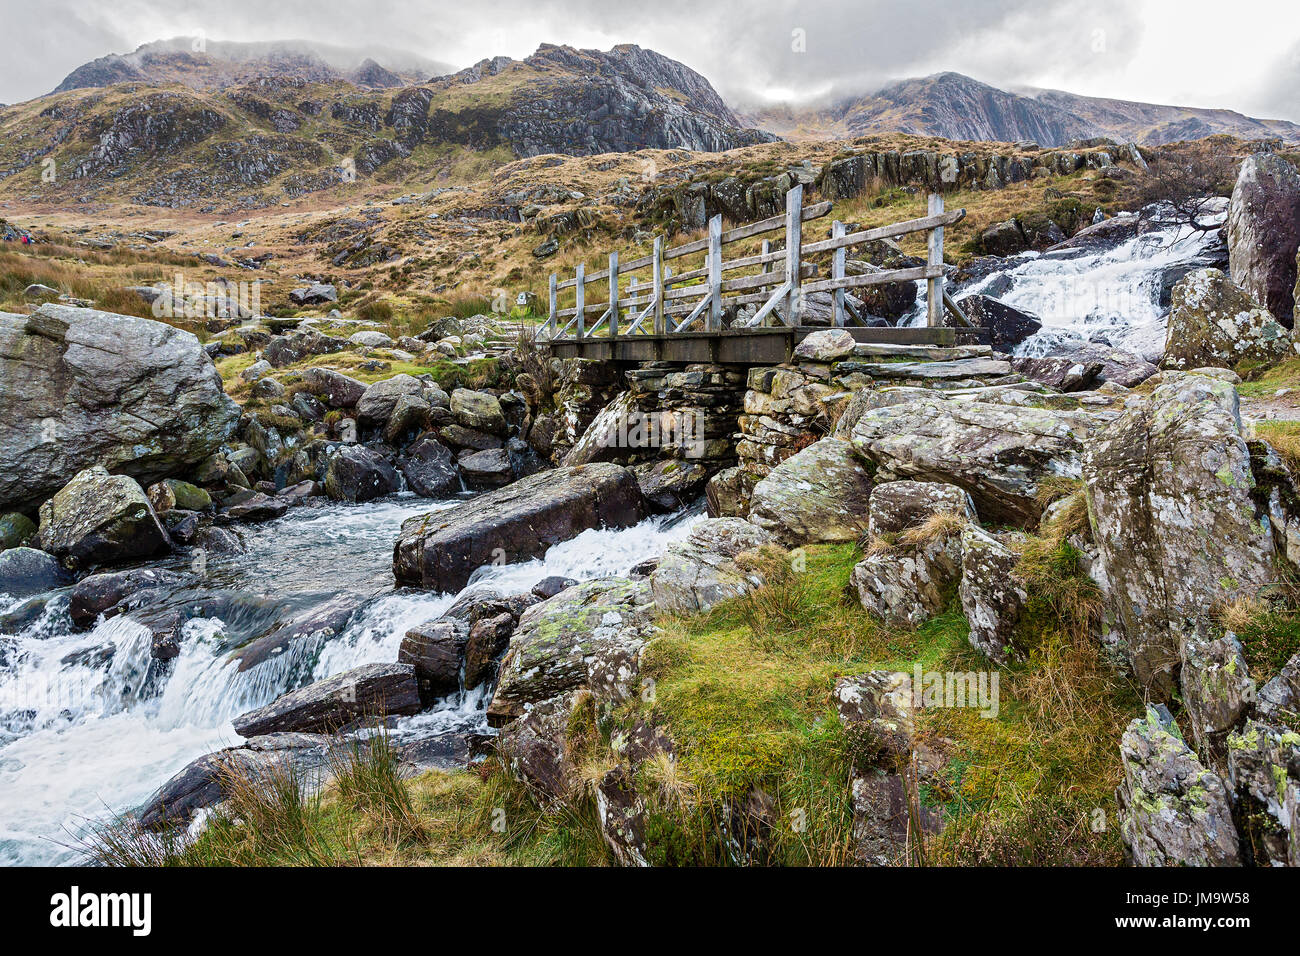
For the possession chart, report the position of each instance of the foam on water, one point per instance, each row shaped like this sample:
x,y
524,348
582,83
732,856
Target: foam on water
x,y
85,733
1109,296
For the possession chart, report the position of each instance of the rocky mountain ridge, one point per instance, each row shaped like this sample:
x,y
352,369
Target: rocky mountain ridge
x,y
958,107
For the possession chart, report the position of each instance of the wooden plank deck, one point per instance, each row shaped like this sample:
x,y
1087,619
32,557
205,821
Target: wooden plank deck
x,y
761,346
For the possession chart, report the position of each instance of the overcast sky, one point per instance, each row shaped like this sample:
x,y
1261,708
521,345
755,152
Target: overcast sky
x,y
1243,55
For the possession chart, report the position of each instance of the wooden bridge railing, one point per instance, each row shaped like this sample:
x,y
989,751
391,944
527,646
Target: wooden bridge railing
x,y
669,304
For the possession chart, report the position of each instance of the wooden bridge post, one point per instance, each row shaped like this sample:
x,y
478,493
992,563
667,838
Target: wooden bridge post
x,y
552,321
934,286
715,273
613,294
580,290
631,294
838,259
793,249
657,271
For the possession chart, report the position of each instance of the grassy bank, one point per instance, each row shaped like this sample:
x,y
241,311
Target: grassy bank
x,y
745,693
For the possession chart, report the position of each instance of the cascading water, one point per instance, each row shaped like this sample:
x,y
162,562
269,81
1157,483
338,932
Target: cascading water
x,y
90,725
1109,295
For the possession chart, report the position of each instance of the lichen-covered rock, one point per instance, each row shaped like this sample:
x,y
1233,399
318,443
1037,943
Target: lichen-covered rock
x,y
1264,232
998,453
825,345
536,748
899,505
991,597
98,518
81,388
1264,771
822,494
15,530
1084,366
905,584
727,493
478,410
1279,699
697,573
1217,690
520,522
586,637
622,816
1178,531
1173,811
1214,323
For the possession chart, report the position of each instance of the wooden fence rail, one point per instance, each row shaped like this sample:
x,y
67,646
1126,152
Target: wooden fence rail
x,y
661,303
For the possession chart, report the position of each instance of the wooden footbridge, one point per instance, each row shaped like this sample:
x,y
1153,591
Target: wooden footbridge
x,y
679,318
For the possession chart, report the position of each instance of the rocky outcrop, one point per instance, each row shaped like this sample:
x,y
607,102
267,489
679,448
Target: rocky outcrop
x,y
1213,323
81,387
332,704
1169,488
98,518
587,637
1264,233
998,453
897,506
516,523
821,494
697,573
905,584
1173,811
1079,368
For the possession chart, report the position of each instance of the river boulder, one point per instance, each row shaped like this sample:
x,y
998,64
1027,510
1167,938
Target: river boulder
x,y
429,469
1213,323
98,518
80,387
329,705
358,473
517,523
25,571
1264,233
1007,326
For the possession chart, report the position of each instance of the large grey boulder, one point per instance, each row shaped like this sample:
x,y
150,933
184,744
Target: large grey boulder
x,y
98,518
695,574
80,387
1264,233
429,469
377,402
905,584
358,473
1173,811
1007,326
516,523
25,571
1213,323
588,636
821,494
1083,366
329,705
1217,690
999,453
1177,528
